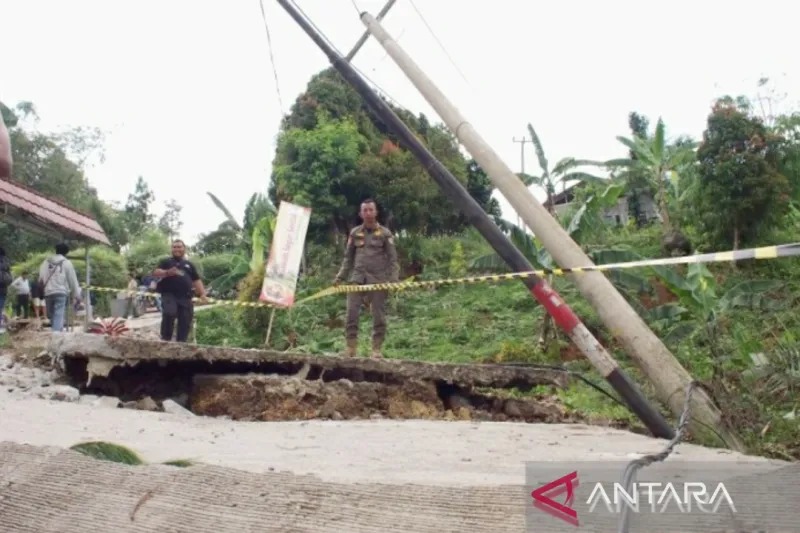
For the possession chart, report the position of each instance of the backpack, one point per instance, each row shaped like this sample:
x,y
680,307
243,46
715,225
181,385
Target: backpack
x,y
55,269
5,273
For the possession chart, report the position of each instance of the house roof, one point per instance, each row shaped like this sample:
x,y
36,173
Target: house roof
x,y
27,206
561,197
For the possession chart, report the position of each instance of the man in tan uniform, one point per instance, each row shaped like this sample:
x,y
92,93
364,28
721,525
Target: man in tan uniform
x,y
370,257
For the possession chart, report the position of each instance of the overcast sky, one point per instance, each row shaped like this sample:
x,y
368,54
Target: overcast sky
x,y
187,94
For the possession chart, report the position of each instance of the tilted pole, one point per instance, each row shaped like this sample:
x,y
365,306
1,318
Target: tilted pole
x,y
645,348
363,39
458,195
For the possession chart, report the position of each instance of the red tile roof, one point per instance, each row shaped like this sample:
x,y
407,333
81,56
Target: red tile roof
x,y
51,212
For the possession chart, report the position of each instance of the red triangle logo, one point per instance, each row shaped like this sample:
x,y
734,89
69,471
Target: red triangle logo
x,y
543,498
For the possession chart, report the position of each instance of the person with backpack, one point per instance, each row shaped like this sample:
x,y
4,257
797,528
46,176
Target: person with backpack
x,y
58,281
5,282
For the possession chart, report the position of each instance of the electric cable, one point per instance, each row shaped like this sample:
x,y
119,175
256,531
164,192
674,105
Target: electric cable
x,y
439,42
271,56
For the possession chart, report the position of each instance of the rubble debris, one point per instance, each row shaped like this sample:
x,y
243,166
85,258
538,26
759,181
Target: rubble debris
x,y
172,407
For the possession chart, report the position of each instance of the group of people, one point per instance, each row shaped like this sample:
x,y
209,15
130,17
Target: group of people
x,y
57,284
176,279
370,257
55,287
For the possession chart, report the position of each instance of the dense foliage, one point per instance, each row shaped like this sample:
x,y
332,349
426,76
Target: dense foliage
x,y
332,154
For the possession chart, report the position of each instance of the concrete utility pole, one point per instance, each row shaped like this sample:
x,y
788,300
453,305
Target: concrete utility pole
x,y
521,165
365,36
650,354
521,151
460,197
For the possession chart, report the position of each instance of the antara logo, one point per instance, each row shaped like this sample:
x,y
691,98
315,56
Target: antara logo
x,y
652,496
543,498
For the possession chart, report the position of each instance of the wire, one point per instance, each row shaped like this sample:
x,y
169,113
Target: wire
x,y
439,42
355,5
271,56
573,373
330,43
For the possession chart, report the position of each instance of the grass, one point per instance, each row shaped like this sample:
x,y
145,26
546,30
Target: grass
x,y
500,322
115,453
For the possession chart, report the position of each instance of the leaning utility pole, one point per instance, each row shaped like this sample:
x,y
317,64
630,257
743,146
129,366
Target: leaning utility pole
x,y
361,40
650,354
458,195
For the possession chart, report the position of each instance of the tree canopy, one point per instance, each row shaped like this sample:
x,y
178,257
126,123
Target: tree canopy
x,y
740,187
333,153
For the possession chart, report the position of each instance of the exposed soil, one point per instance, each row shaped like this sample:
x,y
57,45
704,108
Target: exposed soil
x,y
275,391
255,397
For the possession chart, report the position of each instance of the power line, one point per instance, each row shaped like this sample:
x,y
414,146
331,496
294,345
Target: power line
x,y
333,46
439,42
271,56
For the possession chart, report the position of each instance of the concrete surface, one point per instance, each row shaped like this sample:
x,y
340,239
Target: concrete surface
x,y
384,451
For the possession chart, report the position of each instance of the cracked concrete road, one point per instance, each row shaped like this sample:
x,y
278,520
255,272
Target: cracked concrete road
x,y
383,451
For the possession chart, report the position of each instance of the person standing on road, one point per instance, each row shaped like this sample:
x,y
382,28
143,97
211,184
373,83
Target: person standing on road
x,y
177,277
5,282
22,287
37,299
58,281
370,257
131,297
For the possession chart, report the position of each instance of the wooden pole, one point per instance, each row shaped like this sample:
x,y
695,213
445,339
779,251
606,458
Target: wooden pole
x,y
269,327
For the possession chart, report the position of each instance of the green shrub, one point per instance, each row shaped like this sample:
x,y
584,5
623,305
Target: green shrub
x,y
145,253
223,272
253,319
458,265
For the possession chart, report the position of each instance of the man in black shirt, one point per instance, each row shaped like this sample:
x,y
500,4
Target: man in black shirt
x,y
177,277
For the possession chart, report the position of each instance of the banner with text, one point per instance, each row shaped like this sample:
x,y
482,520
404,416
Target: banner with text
x,y
285,255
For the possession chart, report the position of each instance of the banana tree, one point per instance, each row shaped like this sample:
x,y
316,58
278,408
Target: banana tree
x,y
258,239
587,218
561,173
660,162
698,300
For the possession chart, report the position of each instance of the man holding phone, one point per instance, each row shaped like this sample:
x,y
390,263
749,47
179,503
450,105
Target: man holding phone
x,y
177,277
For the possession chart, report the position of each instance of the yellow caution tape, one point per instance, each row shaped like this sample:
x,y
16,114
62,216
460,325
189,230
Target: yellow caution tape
x,y
211,301
765,252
